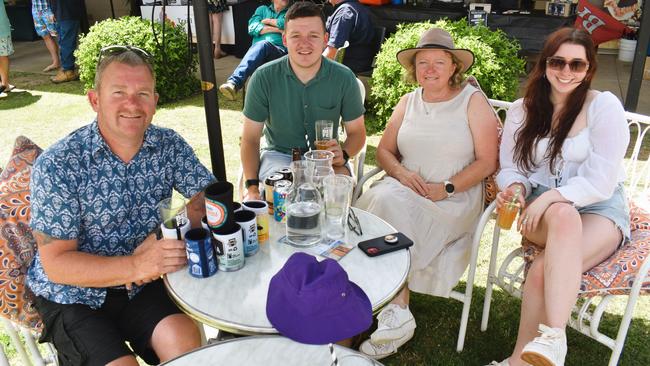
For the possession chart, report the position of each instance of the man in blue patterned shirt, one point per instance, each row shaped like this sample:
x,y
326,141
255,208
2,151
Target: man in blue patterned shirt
x,y
94,197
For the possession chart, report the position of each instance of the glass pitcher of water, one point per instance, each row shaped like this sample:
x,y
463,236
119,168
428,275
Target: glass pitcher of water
x,y
304,206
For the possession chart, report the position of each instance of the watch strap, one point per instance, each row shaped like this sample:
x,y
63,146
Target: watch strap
x,y
346,157
251,182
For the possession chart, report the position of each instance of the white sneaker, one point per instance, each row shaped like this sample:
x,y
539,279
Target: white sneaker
x,y
502,363
549,349
229,90
393,323
379,351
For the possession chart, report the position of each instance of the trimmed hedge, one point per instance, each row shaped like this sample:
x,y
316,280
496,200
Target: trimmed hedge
x,y
175,78
497,65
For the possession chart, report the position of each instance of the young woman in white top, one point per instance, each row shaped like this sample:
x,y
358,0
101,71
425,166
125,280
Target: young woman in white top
x,y
563,147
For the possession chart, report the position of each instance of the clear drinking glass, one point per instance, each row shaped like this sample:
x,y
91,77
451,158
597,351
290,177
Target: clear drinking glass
x,y
174,217
172,208
324,133
338,195
320,157
320,173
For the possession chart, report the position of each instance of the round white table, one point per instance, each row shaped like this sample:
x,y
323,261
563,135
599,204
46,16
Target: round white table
x,y
236,301
269,351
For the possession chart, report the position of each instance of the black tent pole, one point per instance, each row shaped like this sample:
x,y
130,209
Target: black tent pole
x,y
208,86
636,74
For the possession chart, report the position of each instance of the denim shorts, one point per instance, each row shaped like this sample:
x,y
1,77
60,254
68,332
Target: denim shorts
x,y
614,208
271,161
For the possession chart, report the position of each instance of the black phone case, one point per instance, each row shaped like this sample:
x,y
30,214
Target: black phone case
x,y
368,246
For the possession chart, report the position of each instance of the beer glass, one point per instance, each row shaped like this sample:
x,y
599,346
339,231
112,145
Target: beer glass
x,y
324,133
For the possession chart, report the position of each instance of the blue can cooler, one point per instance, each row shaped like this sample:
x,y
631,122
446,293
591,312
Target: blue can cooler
x,y
201,258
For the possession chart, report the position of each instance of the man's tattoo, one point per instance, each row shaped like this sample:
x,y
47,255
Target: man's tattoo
x,y
42,238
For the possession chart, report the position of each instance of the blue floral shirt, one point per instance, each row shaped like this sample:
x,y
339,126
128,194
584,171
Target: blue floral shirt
x,y
81,190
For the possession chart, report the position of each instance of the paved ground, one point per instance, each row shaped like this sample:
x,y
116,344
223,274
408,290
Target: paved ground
x,y
612,75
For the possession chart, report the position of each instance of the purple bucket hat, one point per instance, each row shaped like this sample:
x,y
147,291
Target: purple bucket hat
x,y
315,303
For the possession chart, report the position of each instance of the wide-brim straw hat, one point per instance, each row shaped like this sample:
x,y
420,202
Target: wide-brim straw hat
x,y
436,38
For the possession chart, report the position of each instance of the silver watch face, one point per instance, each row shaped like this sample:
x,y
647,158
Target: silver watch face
x,y
449,188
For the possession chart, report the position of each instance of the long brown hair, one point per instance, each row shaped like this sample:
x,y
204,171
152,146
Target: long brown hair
x,y
538,106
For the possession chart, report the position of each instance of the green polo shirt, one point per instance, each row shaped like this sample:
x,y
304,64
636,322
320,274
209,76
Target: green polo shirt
x,y
289,108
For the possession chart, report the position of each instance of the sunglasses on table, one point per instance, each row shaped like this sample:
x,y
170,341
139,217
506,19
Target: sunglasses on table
x,y
353,223
558,63
119,49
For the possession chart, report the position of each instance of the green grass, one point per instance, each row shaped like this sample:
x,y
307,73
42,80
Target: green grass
x,y
45,113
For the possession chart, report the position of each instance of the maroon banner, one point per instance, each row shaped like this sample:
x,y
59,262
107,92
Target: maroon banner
x,y
602,26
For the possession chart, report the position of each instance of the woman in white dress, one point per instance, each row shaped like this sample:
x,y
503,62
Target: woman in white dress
x,y
562,149
438,146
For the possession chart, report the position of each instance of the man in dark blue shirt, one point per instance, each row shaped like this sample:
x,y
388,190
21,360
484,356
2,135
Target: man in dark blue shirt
x,y
351,22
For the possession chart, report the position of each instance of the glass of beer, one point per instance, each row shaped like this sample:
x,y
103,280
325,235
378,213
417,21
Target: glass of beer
x,y
509,211
324,133
507,215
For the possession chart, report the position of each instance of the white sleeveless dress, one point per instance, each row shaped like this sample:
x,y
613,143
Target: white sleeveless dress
x,y
435,141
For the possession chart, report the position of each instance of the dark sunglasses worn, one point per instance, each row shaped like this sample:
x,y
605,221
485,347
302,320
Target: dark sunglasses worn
x,y
558,63
118,49
353,223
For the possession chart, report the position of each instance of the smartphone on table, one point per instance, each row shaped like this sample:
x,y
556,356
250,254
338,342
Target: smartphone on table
x,y
385,244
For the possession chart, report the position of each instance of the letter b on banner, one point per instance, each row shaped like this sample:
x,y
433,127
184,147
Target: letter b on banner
x,y
602,26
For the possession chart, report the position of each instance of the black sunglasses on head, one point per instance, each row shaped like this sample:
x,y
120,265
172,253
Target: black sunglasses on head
x,y
119,49
558,64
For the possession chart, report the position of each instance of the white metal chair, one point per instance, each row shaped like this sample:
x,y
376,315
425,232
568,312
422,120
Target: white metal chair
x,y
603,282
26,348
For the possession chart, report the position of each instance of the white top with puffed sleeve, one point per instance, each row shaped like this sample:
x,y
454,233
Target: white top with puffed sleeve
x,y
591,162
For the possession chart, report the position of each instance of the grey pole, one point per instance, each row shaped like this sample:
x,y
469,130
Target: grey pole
x,y
209,88
636,74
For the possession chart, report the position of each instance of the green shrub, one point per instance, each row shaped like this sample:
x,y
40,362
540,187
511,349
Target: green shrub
x,y
497,66
174,78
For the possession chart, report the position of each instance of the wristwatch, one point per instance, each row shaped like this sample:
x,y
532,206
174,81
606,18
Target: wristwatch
x,y
251,182
346,157
449,188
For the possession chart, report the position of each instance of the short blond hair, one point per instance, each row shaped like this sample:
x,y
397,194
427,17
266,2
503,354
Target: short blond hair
x,y
455,80
127,57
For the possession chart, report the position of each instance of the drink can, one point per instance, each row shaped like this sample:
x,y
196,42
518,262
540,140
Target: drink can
x,y
286,174
280,193
268,189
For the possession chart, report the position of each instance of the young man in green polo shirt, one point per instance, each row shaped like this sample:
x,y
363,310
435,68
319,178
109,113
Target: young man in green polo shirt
x,y
286,96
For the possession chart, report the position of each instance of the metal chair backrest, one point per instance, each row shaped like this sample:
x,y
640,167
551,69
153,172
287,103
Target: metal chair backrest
x,y
638,167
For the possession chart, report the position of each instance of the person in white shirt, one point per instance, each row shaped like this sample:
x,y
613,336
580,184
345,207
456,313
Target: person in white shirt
x,y
563,147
